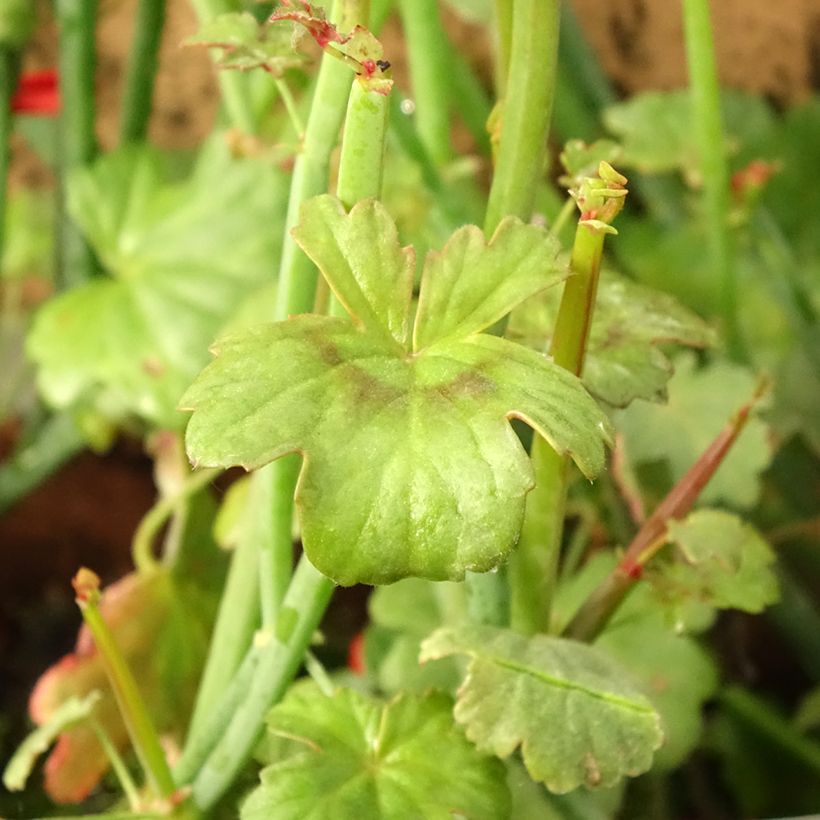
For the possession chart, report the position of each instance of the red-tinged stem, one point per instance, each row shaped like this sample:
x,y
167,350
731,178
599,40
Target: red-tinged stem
x,y
605,600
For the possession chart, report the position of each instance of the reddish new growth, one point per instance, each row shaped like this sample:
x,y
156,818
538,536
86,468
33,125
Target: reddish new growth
x,y
355,655
37,93
754,176
314,21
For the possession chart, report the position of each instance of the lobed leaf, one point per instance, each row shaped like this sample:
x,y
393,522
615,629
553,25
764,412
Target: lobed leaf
x,y
410,464
182,258
624,360
351,756
472,283
722,561
576,715
700,401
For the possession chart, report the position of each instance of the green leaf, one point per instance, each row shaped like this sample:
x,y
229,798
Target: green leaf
x,y
576,715
700,404
624,361
581,160
360,256
471,284
351,756
674,671
410,464
402,615
248,44
72,711
182,257
721,561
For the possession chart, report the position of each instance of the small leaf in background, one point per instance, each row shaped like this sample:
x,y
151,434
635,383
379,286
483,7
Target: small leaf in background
x,y
675,672
162,631
581,160
624,361
700,401
577,716
71,712
721,561
410,464
352,756
182,258
402,615
247,43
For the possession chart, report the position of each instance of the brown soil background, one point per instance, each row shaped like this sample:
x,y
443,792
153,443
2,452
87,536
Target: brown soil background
x,y
772,48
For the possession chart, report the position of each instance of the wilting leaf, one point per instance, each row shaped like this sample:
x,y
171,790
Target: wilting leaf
x,y
247,43
71,712
576,714
351,756
410,464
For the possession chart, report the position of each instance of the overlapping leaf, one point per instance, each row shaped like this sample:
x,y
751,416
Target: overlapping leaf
x,y
575,713
411,466
247,43
719,560
624,361
348,756
700,403
182,257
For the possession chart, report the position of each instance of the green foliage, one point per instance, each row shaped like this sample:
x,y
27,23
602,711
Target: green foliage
x,y
700,404
410,464
624,360
17,21
402,615
349,756
248,44
720,561
526,692
181,258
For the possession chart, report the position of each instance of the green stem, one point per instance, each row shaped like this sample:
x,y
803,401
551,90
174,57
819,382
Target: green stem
x,y
504,27
142,69
471,101
533,568
708,129
362,159
236,621
291,107
153,521
78,143
133,710
234,86
430,70
277,663
526,111
760,716
118,766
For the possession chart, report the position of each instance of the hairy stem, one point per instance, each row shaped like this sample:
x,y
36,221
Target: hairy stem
x,y
708,129
141,730
78,143
142,69
527,106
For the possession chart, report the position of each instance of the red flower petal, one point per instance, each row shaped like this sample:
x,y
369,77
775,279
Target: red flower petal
x,y
37,93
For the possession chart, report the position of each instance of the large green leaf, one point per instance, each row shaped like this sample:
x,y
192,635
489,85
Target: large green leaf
x,y
182,257
410,464
719,560
577,716
623,361
349,756
700,404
